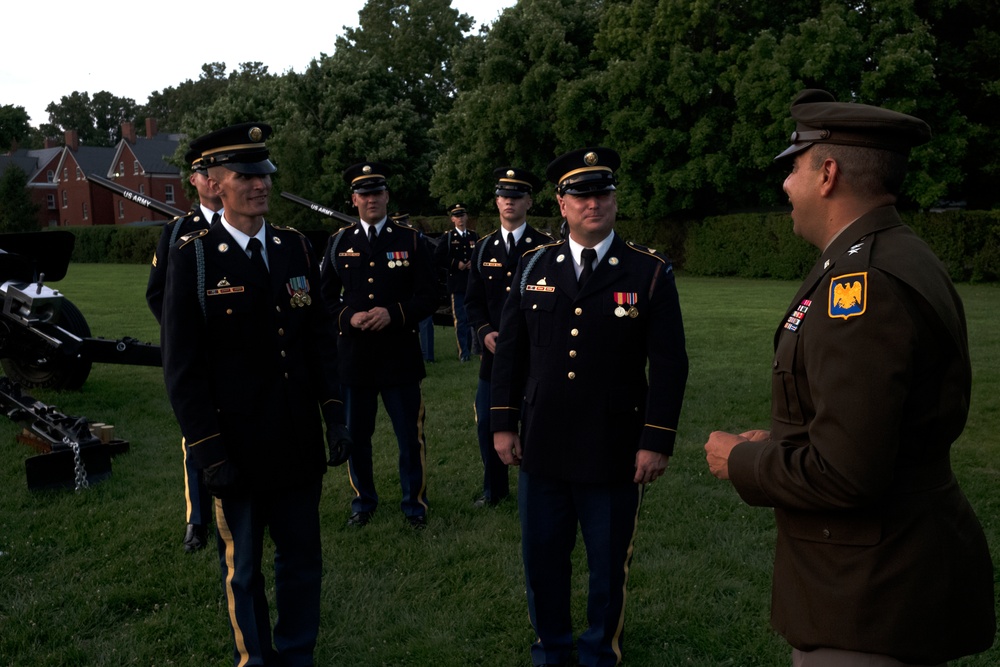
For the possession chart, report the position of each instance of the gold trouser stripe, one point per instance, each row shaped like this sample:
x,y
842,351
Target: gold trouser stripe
x,y
187,484
227,537
616,640
454,320
421,414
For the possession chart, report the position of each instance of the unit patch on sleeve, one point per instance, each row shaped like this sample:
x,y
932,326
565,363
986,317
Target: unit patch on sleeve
x,y
848,294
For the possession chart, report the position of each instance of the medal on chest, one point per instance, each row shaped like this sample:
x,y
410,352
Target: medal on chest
x,y
298,288
629,299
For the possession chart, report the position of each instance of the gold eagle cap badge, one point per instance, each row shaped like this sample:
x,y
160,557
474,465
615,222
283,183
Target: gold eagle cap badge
x,y
256,134
366,169
590,159
510,173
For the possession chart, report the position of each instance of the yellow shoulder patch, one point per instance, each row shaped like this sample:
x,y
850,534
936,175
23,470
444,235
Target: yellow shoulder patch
x,y
848,295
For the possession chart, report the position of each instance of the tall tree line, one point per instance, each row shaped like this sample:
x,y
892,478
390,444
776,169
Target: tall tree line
x,y
694,94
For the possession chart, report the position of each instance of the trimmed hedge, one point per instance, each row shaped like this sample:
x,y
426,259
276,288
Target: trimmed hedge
x,y
762,245
110,244
745,245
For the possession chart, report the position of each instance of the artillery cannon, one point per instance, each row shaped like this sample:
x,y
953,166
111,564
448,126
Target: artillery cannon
x,y
45,342
44,338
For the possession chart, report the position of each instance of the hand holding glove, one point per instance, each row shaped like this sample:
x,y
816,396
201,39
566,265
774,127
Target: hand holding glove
x,y
221,479
339,441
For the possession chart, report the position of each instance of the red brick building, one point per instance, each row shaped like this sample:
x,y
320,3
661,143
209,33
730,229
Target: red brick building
x,y
57,178
40,168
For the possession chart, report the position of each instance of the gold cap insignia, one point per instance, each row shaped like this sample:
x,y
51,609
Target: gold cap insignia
x,y
256,134
510,173
590,159
366,169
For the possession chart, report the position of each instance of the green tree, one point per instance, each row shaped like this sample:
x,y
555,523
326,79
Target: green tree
x,y
251,94
170,105
14,126
96,120
343,112
17,212
967,66
109,112
415,41
374,98
877,52
510,80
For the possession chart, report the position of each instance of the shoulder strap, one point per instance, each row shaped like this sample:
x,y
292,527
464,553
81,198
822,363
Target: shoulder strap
x,y
332,254
199,253
482,249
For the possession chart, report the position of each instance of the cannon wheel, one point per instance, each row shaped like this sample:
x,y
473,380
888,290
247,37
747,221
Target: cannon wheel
x,y
54,372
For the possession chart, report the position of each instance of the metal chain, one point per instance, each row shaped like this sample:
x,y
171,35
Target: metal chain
x,y
81,472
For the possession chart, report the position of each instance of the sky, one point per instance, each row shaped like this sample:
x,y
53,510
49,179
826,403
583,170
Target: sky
x,y
51,49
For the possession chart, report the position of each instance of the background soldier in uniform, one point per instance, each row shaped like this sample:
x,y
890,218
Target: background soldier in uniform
x,y
208,211
250,364
880,560
378,281
454,252
494,261
583,320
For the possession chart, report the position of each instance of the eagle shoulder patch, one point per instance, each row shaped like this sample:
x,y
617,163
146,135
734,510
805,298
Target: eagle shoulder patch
x,y
848,295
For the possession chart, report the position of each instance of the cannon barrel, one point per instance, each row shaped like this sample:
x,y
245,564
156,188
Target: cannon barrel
x,y
134,196
319,208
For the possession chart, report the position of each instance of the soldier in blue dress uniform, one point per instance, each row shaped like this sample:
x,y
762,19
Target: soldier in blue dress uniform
x,y
249,361
493,264
378,281
573,406
454,253
198,501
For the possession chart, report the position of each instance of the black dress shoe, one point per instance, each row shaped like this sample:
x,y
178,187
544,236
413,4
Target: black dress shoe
x,y
483,501
417,522
359,519
195,537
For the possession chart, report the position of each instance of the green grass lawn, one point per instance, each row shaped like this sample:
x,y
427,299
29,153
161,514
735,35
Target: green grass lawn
x,y
98,577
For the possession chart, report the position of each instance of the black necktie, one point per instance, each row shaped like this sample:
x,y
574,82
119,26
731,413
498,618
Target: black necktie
x,y
371,235
216,217
510,245
588,256
257,256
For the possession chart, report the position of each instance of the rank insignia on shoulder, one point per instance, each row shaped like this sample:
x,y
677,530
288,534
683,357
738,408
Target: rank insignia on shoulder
x,y
193,235
848,295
